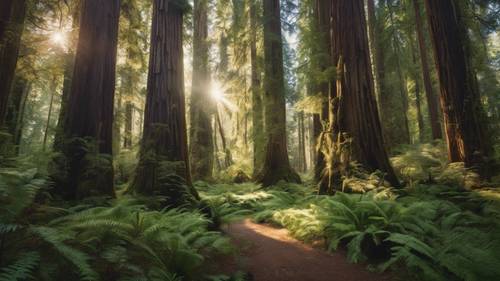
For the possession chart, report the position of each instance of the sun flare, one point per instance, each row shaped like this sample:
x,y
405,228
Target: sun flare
x,y
59,38
217,91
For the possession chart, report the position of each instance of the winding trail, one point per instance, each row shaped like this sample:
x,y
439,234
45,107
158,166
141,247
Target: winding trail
x,y
270,254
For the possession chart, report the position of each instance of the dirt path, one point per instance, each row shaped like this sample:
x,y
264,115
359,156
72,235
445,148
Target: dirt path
x,y
270,254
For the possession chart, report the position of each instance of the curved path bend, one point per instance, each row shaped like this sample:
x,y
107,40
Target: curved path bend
x,y
270,254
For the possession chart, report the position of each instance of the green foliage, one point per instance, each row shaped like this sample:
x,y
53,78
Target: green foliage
x,y
22,268
123,239
437,232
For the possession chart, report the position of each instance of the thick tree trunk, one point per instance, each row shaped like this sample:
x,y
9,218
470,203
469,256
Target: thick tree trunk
x,y
163,167
465,123
357,110
276,163
13,26
89,119
257,110
432,102
201,143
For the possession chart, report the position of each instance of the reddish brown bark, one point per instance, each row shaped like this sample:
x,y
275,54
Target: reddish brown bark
x,y
357,111
465,123
164,149
432,102
276,163
89,118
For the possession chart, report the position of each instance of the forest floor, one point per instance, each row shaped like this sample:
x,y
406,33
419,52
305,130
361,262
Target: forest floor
x,y
270,254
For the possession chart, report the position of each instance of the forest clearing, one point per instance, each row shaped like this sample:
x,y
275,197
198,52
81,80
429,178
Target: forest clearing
x,y
250,140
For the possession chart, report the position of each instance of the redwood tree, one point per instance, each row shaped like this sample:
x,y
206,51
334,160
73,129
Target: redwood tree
x,y
163,167
352,100
432,102
11,29
201,141
465,123
276,163
86,168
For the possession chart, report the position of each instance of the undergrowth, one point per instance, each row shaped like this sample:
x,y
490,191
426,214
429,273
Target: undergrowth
x,y
442,226
118,240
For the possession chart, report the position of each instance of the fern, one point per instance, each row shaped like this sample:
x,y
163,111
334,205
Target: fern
x,y
22,268
79,259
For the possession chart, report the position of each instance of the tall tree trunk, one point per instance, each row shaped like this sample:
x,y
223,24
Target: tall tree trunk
x,y
69,65
322,11
276,164
418,103
15,112
357,114
163,167
201,143
129,114
53,89
89,119
465,123
432,102
9,50
257,110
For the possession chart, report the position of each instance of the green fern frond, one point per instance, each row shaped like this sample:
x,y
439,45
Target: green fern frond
x,y
22,268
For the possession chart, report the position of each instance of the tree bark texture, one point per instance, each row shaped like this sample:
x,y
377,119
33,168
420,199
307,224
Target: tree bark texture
x,y
89,118
276,163
358,114
201,142
163,167
464,119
